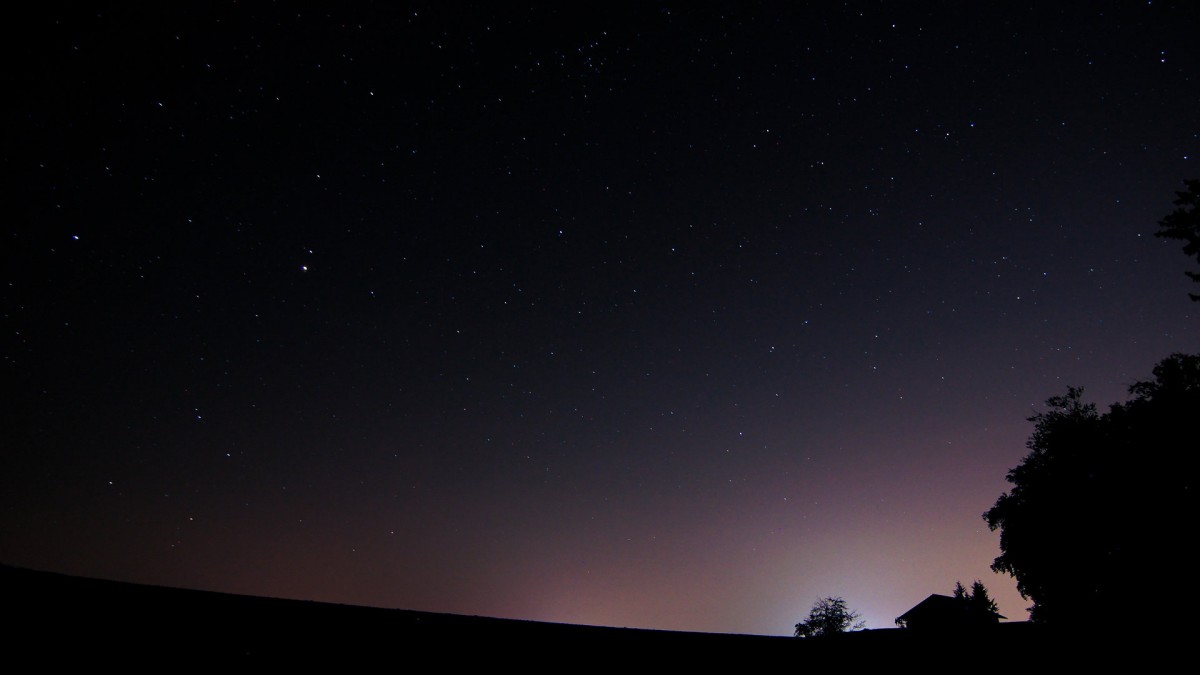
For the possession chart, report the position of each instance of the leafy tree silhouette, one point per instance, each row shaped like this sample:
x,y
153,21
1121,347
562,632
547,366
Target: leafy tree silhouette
x,y
827,617
1184,223
1098,507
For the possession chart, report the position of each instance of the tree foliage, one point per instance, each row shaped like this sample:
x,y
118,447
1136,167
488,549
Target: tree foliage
x,y
1184,223
978,601
827,617
1082,528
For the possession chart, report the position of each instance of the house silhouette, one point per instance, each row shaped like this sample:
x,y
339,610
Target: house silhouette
x,y
944,613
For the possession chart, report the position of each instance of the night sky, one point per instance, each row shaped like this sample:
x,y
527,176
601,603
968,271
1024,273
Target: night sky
x,y
659,316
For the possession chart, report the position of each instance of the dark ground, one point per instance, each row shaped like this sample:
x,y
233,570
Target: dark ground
x,y
61,620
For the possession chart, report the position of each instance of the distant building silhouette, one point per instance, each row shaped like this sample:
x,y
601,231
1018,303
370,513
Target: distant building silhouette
x,y
944,613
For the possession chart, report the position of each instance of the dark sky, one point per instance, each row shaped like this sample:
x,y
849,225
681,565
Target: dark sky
x,y
661,316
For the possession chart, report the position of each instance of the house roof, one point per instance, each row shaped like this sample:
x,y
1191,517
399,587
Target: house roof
x,y
941,606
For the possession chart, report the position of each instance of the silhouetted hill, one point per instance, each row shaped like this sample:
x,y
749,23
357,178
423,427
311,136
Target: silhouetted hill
x,y
71,620
81,619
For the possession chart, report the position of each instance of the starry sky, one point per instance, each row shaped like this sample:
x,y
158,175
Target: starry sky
x,y
656,315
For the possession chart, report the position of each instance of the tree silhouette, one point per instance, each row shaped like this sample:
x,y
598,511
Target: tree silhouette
x,y
1097,508
827,617
1184,223
978,608
979,602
